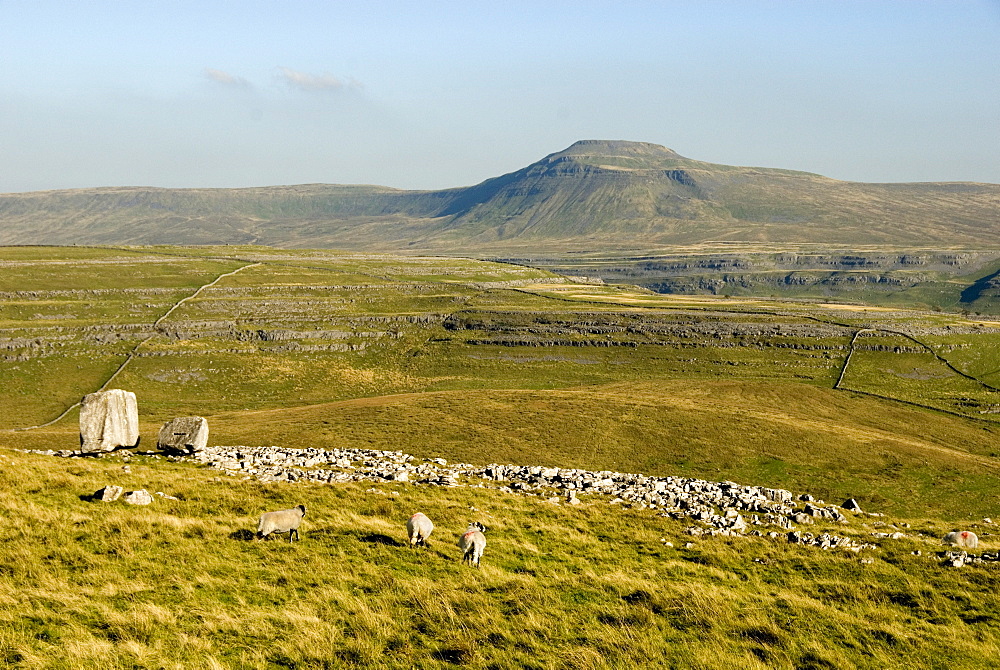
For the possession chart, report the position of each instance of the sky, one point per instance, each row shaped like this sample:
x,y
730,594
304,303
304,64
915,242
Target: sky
x,y
429,95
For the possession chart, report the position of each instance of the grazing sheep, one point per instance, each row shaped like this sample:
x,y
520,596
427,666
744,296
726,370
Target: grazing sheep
x,y
284,521
472,543
962,538
419,528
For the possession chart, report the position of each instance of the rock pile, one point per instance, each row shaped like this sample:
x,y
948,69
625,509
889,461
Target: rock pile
x,y
958,559
827,541
725,508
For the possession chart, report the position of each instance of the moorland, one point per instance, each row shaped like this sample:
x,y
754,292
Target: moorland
x,y
625,212
895,405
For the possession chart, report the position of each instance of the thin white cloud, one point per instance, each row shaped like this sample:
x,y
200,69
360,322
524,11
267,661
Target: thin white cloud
x,y
304,81
225,78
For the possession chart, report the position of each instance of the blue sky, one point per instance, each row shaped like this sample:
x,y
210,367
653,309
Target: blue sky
x,y
442,94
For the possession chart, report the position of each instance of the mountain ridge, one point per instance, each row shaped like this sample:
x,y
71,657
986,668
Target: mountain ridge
x,y
595,194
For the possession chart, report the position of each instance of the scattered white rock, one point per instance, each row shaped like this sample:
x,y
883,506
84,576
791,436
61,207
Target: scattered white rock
x,y
109,493
140,497
852,505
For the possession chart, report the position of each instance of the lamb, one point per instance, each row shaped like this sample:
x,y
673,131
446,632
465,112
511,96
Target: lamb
x,y
419,528
472,543
962,538
283,521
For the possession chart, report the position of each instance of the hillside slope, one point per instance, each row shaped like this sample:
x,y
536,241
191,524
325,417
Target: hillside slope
x,y
484,362
595,195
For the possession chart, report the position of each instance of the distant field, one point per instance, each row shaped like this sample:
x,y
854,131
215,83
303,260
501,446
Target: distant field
x,y
941,278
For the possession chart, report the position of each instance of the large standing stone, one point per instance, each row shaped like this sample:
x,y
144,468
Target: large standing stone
x,y
108,420
183,435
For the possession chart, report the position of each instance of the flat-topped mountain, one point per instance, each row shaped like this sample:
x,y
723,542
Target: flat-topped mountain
x,y
595,195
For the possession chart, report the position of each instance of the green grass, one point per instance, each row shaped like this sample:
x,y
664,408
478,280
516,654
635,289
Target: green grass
x,y
481,362
178,584
597,376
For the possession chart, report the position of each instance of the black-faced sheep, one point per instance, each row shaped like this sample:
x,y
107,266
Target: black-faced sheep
x,y
283,521
962,538
472,543
419,528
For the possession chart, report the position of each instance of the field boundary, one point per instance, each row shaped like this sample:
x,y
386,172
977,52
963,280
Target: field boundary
x,y
135,349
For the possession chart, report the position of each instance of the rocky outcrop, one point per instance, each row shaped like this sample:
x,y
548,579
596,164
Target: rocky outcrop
x,y
783,272
108,420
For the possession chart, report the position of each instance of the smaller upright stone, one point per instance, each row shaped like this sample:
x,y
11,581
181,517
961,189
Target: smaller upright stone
x,y
852,505
184,435
140,497
109,493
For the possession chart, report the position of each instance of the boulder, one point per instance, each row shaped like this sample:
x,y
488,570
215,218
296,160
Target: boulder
x,y
108,420
140,497
109,493
183,435
852,505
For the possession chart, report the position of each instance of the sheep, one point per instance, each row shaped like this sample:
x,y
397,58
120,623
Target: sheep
x,y
419,528
962,538
284,521
472,543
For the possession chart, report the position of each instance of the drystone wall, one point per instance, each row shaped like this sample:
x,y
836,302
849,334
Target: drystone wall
x,y
714,508
722,508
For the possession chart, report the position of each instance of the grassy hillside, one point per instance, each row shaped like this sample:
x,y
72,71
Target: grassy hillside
x,y
208,216
625,195
180,584
496,361
482,362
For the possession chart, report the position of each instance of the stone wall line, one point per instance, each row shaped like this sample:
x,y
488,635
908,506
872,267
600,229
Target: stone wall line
x,y
132,354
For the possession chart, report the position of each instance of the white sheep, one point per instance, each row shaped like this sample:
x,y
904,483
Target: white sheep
x,y
962,538
283,521
472,543
419,528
